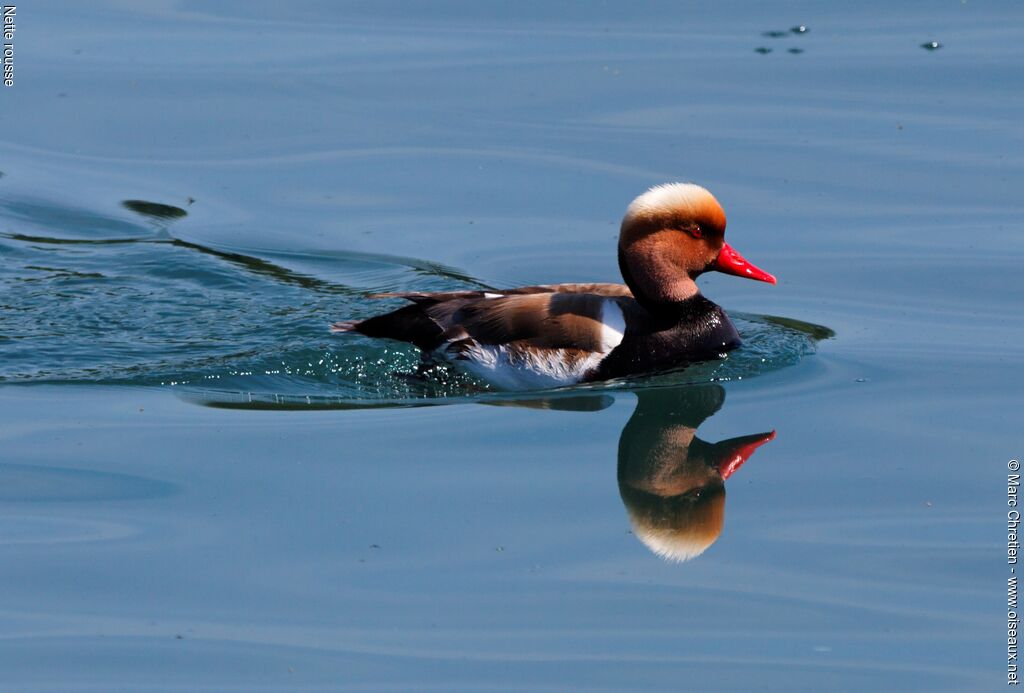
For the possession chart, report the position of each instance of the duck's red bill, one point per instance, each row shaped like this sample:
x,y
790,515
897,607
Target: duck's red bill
x,y
731,262
738,450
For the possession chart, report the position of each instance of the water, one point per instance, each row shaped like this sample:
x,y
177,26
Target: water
x,y
203,489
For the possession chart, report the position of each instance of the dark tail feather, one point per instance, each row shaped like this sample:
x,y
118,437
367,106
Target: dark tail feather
x,y
408,324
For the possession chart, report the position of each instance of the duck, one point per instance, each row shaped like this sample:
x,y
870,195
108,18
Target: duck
x,y
555,335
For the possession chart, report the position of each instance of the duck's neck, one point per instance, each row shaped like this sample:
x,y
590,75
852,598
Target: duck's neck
x,y
661,288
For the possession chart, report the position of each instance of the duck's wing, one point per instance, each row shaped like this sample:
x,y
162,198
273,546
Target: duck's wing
x,y
587,321
607,290
532,317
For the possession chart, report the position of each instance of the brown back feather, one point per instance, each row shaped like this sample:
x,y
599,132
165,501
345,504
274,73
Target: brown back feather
x,y
438,296
561,320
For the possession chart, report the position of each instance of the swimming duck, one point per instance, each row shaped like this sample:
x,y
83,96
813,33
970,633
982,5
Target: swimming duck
x,y
559,334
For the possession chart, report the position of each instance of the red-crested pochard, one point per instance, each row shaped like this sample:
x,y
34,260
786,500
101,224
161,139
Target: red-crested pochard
x,y
560,334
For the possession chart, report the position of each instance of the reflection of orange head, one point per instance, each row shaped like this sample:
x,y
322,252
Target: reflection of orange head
x,y
678,527
672,482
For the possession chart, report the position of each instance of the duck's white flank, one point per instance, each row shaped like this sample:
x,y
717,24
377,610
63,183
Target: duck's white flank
x,y
511,368
517,369
613,325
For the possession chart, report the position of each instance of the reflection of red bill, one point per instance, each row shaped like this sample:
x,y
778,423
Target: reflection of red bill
x,y
738,450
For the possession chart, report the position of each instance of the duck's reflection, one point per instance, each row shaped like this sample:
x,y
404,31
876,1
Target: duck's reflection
x,y
672,482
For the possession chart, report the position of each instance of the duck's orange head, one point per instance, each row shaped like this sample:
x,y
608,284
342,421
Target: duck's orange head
x,y
670,235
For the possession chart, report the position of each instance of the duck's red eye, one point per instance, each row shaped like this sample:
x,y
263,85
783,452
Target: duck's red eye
x,y
696,232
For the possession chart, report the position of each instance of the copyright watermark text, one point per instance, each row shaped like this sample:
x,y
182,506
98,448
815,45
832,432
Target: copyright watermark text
x,y
1012,547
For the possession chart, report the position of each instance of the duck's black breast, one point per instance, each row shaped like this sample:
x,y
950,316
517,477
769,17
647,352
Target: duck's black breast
x,y
669,337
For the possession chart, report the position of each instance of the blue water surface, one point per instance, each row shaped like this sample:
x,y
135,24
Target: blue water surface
x,y
203,489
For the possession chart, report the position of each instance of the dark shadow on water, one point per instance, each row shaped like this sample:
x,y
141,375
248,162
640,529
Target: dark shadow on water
x,y
155,210
816,332
566,403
